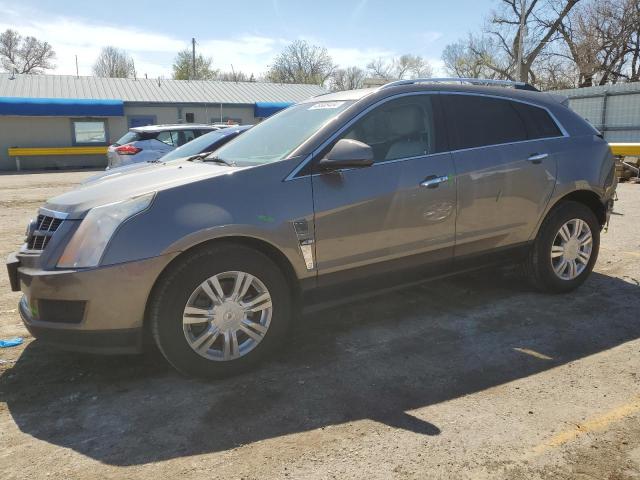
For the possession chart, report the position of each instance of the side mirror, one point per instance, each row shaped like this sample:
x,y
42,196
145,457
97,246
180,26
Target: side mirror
x,y
347,154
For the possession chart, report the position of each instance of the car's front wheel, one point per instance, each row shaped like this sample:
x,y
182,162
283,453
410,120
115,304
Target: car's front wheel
x,y
565,249
219,310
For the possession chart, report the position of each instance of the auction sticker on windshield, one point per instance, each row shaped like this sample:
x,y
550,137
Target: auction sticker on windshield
x,y
325,105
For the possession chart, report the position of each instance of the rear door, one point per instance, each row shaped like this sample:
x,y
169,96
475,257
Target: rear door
x,y
505,167
381,218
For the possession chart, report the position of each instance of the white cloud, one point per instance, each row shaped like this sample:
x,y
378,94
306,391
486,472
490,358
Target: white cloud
x,y
153,53
357,11
346,57
248,53
70,37
429,36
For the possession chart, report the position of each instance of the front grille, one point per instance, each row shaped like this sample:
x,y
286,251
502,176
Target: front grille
x,y
45,227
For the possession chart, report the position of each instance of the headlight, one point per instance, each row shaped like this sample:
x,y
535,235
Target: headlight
x,y
92,236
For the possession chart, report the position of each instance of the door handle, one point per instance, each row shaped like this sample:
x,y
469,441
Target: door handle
x,y
537,157
432,181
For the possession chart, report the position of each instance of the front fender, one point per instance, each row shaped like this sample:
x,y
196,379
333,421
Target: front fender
x,y
254,203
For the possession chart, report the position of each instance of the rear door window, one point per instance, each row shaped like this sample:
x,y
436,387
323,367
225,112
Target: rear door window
x,y
169,138
538,122
478,121
185,136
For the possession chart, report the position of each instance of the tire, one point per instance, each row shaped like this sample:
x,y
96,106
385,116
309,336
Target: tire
x,y
539,267
183,285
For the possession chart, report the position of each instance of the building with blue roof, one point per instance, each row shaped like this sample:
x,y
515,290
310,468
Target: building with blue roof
x,y
77,117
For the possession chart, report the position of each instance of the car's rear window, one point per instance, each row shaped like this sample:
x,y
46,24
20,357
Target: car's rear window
x,y
128,138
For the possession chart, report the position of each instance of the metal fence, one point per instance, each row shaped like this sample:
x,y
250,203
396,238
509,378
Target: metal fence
x,y
612,109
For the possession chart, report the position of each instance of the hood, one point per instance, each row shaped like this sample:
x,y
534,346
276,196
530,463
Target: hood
x,y
118,187
119,171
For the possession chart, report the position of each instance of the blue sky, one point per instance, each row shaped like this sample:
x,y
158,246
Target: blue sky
x,y
246,33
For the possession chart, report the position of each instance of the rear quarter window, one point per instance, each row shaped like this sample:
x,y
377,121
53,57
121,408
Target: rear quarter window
x,y
538,122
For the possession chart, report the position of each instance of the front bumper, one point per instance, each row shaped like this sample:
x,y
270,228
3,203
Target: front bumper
x,y
94,310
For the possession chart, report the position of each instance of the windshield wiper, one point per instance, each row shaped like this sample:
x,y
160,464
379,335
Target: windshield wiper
x,y
214,159
197,156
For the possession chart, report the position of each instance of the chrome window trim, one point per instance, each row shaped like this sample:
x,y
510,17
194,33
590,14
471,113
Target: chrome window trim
x,y
378,164
508,143
53,213
307,159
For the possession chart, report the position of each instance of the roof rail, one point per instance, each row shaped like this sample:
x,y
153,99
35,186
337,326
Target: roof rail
x,y
474,81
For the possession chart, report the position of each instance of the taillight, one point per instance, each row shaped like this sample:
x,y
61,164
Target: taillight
x,y
128,150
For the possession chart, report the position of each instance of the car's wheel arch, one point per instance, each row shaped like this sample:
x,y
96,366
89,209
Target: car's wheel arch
x,y
589,198
260,245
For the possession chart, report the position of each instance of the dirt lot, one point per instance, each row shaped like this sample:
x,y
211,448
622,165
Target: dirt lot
x,y
474,377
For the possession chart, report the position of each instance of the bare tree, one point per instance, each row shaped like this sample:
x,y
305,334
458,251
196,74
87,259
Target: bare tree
x,y
381,68
115,63
412,66
469,59
599,39
553,72
183,67
348,78
542,20
24,54
235,76
301,62
634,45
404,66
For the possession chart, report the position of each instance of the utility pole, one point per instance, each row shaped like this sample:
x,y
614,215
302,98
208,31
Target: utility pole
x,y
77,71
193,57
521,35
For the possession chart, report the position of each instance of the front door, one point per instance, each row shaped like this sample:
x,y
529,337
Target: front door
x,y
397,213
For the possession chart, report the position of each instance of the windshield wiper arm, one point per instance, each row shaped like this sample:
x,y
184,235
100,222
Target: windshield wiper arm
x,y
198,156
214,159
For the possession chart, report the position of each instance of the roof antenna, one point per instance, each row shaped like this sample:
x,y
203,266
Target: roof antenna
x,y
77,71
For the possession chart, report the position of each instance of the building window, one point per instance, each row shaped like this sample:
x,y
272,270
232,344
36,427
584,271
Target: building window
x,y
189,117
141,120
89,132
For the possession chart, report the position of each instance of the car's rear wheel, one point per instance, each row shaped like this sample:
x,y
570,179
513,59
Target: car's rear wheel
x,y
565,249
220,310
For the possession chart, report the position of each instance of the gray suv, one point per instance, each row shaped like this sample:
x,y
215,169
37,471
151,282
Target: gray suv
x,y
347,192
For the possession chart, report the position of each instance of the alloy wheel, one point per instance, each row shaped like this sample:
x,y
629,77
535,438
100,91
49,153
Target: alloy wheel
x,y
227,316
571,249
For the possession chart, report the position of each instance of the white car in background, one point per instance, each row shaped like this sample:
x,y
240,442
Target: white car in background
x,y
149,143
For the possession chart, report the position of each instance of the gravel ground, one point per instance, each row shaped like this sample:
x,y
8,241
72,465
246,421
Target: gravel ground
x,y
473,377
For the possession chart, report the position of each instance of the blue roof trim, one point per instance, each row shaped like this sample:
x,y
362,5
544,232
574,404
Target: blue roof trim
x,y
60,107
266,109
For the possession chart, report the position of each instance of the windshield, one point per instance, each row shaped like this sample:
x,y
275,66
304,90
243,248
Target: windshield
x,y
198,145
278,136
